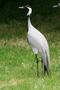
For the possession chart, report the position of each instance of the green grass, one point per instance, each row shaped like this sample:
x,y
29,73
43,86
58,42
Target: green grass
x,y
17,71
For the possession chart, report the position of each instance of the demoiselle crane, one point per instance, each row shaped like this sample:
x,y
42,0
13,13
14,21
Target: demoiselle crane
x,y
38,43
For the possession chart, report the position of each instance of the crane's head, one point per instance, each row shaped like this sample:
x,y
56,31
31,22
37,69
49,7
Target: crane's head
x,y
27,7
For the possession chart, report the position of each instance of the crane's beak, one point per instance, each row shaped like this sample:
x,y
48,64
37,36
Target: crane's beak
x,y
22,7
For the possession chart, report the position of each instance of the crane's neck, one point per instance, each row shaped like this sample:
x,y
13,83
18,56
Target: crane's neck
x,y
29,22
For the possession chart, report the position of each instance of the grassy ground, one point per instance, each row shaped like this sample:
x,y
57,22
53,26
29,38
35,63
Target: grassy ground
x,y
17,71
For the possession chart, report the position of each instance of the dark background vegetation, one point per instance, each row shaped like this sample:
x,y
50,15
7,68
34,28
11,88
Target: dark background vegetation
x,y
13,21
41,8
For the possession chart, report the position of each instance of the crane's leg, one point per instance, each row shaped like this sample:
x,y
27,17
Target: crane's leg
x,y
42,65
37,65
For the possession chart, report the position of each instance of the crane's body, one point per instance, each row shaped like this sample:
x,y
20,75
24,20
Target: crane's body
x,y
38,43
